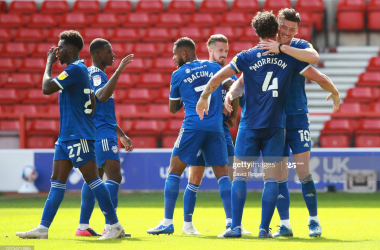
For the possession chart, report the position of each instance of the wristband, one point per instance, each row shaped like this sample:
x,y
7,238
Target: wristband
x,y
279,47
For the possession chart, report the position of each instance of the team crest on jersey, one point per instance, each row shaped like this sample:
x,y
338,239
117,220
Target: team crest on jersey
x,y
114,149
63,75
258,55
97,79
187,71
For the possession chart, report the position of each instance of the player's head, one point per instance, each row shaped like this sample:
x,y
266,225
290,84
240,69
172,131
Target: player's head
x,y
289,21
218,49
69,45
184,51
101,52
265,24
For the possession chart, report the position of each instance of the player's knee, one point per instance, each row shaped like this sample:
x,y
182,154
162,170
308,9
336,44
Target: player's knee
x,y
196,179
115,176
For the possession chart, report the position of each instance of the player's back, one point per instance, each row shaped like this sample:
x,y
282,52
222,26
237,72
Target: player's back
x,y
104,116
266,81
75,103
188,83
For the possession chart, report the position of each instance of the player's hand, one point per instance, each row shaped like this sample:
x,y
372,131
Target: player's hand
x,y
202,107
123,64
127,143
227,102
52,55
271,46
231,121
336,101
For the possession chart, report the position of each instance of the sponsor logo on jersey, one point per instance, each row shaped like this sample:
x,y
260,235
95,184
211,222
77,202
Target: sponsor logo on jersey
x,y
258,55
306,145
114,149
280,196
63,75
187,71
97,79
79,159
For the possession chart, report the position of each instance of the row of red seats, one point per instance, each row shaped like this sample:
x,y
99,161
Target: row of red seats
x,y
352,15
362,94
339,132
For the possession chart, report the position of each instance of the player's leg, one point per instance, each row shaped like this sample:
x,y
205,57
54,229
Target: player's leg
x,y
224,182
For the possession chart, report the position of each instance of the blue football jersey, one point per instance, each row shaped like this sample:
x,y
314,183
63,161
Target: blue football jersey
x,y
75,103
266,85
188,83
297,102
225,116
104,115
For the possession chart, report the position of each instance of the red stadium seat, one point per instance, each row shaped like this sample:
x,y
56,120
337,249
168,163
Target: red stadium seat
x,y
22,7
144,141
25,109
150,6
276,5
316,8
54,34
304,32
14,50
151,80
7,65
238,47
137,20
19,80
159,109
350,14
11,20
10,125
202,20
374,107
235,19
5,35
374,64
145,127
126,109
163,96
306,18
108,20
125,81
169,141
163,65
118,7
169,20
137,96
29,35
41,49
145,49
125,35
368,133
38,20
54,7
40,141
138,65
36,96
172,127
9,96
58,68
251,6
157,35
338,126
181,6
77,20
87,7
3,6
334,141
369,79
353,107
364,95
40,126
367,141
196,34
90,34
250,35
227,31
33,65
213,6
373,13
52,109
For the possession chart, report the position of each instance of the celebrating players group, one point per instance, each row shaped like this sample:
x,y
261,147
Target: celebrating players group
x,y
275,119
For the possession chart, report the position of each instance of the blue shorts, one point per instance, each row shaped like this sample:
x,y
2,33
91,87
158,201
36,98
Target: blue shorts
x,y
297,134
107,149
79,151
230,152
269,141
211,145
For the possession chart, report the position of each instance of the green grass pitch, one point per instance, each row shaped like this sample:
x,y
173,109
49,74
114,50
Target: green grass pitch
x,y
349,221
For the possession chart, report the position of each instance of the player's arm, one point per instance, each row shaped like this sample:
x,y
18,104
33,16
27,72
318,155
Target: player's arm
x,y
309,55
175,105
125,140
235,91
49,86
325,83
106,92
93,103
231,120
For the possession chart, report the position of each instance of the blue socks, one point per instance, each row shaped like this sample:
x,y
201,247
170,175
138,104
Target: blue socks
x,y
309,193
56,194
113,188
225,193
189,199
171,194
238,195
283,200
87,204
268,202
103,197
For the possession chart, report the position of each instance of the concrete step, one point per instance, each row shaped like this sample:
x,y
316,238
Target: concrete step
x,y
342,71
346,56
345,64
319,118
322,95
358,49
320,110
340,87
319,103
316,126
344,79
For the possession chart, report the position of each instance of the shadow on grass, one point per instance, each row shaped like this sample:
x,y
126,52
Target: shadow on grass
x,y
114,241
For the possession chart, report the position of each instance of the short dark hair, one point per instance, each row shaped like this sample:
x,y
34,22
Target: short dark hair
x,y
185,42
216,38
72,37
290,15
265,23
97,43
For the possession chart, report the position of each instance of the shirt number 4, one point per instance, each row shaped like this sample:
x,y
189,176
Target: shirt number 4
x,y
273,86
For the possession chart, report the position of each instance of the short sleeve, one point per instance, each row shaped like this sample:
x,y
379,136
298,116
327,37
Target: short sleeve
x,y
302,67
97,82
236,63
174,87
303,44
67,77
242,100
